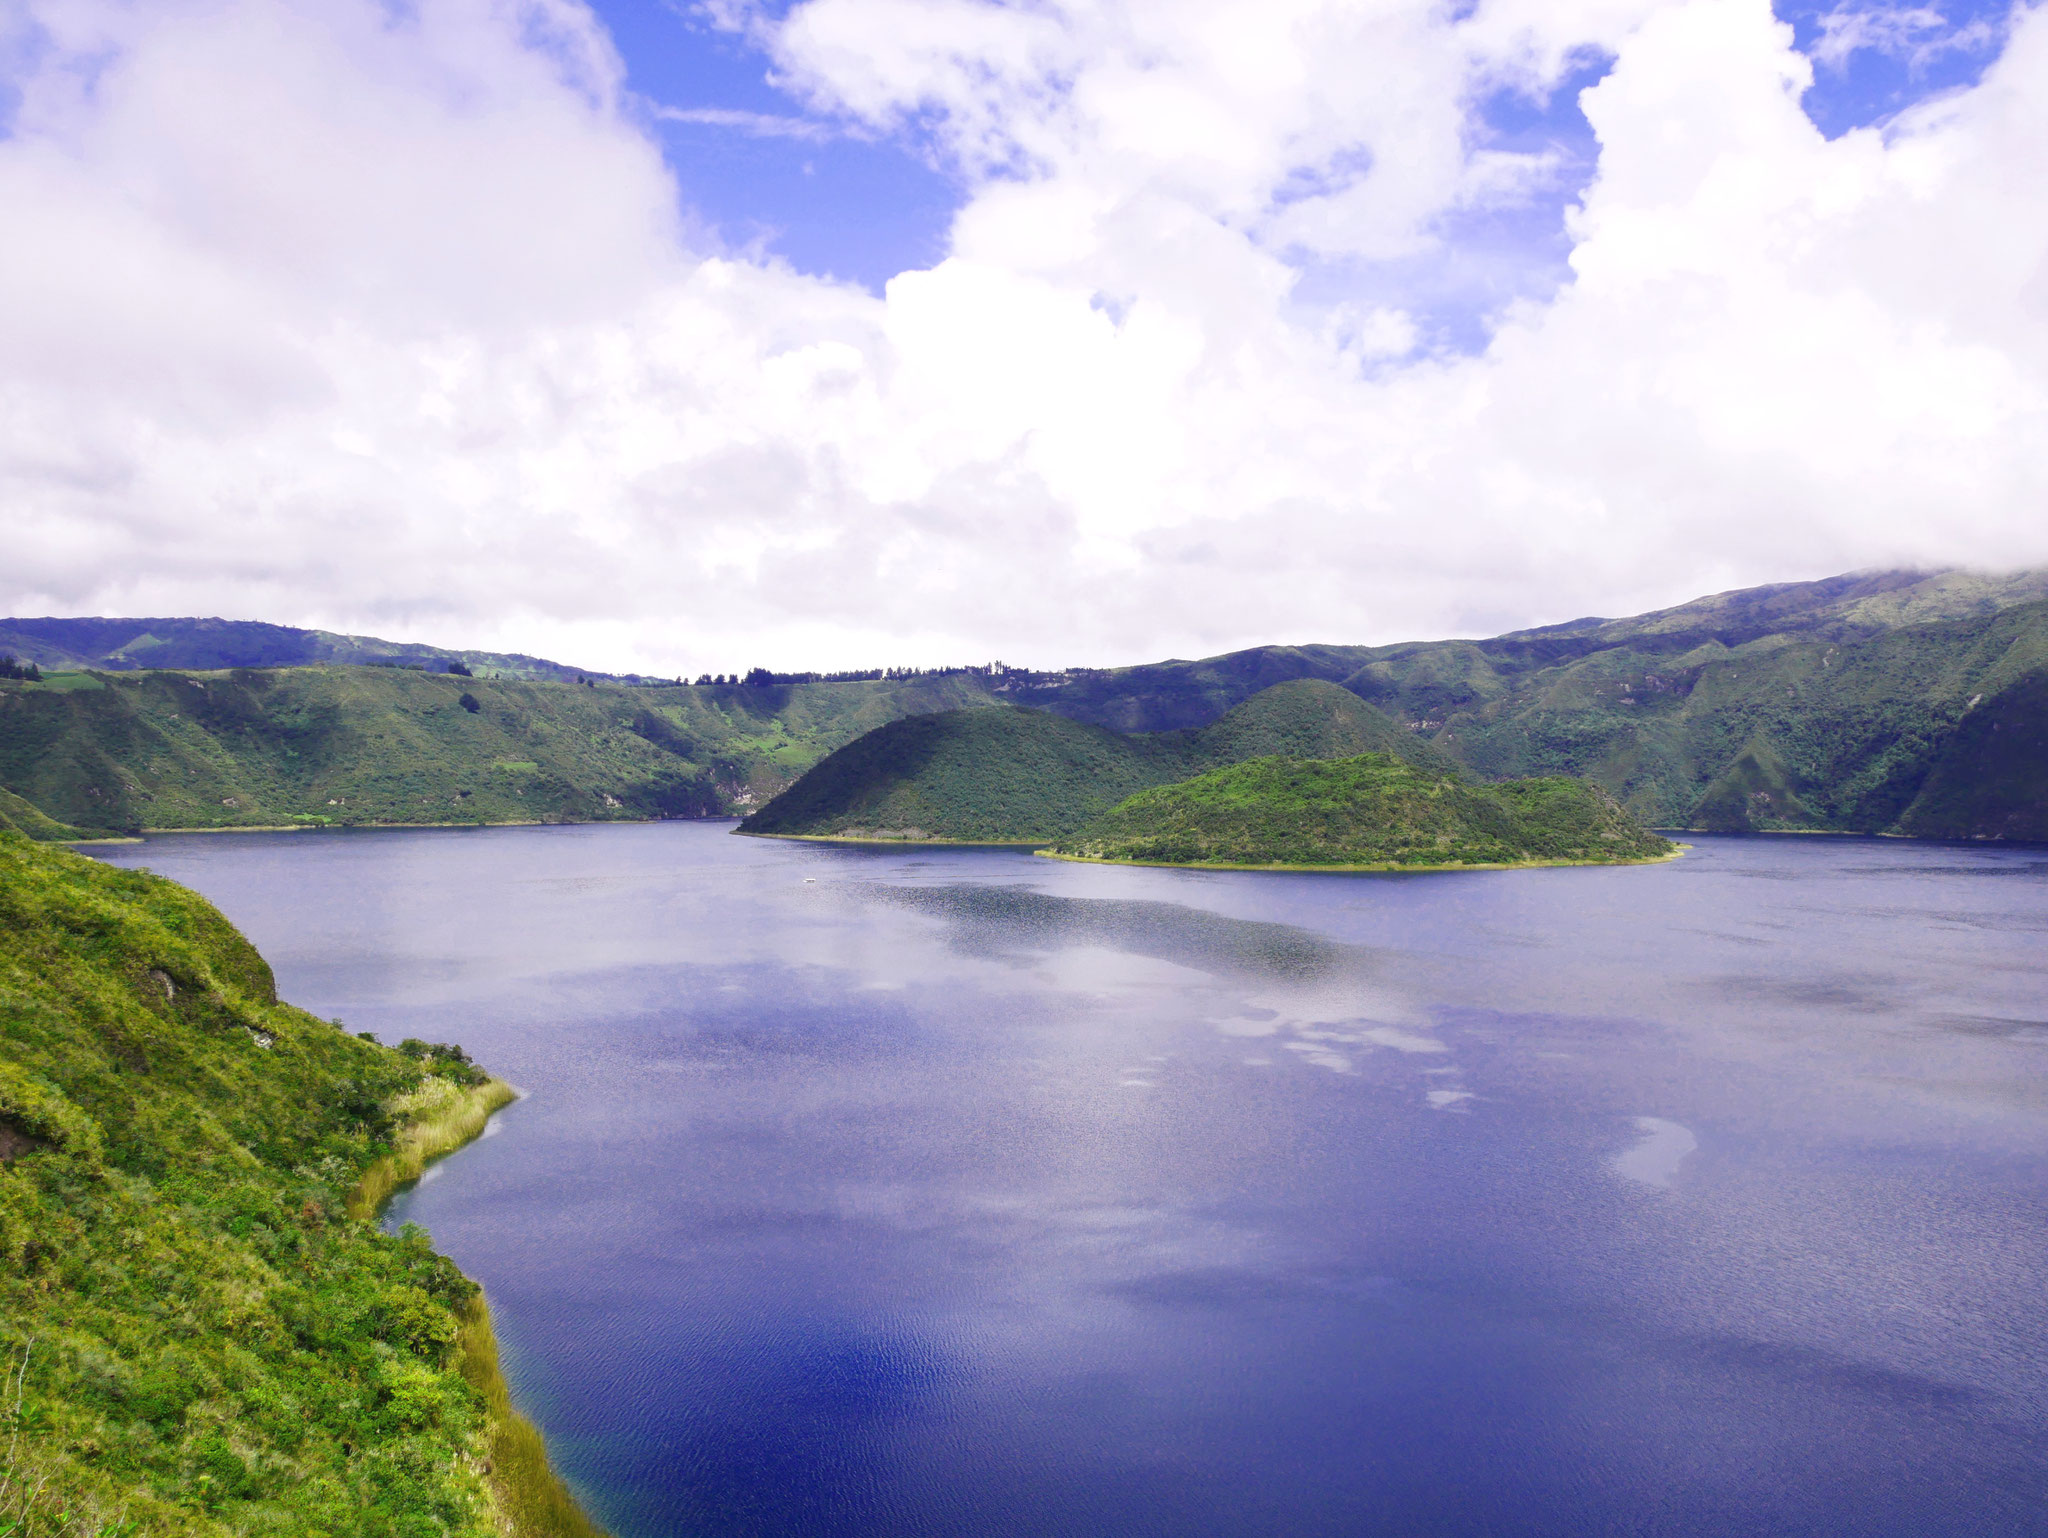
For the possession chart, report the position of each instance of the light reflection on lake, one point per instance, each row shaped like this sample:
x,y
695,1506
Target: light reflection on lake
x,y
953,1192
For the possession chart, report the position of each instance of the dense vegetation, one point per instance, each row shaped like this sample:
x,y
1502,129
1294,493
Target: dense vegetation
x,y
18,816
199,1336
350,745
1026,776
1371,811
1888,702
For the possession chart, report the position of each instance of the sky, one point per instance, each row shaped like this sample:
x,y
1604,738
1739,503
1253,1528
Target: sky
x,y
696,335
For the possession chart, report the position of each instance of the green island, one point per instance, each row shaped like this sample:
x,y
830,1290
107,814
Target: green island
x,y
1371,812
1900,702
204,1330
998,775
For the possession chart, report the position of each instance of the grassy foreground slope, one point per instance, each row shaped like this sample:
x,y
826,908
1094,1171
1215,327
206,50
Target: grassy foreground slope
x,y
1024,776
349,745
199,1336
1372,811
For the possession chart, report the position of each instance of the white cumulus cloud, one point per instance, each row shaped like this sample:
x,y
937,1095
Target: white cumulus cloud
x,y
387,317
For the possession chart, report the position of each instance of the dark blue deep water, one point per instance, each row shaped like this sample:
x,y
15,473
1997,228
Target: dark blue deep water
x,y
958,1194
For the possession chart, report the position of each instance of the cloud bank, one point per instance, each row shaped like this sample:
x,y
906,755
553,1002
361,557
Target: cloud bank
x,y
386,317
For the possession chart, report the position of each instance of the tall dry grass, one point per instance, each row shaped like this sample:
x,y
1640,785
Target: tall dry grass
x,y
439,1118
531,1497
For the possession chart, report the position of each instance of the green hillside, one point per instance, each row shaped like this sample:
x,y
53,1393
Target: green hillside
x,y
18,816
1891,733
990,775
1879,702
1025,776
1874,703
200,1336
349,745
1368,812
1425,683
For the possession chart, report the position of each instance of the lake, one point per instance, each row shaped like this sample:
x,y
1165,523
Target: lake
x,y
949,1192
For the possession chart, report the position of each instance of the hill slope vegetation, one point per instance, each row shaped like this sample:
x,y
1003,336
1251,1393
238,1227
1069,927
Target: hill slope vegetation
x,y
1879,702
348,745
200,1337
1024,776
1367,812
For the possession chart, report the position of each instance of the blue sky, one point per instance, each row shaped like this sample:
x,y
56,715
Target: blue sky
x,y
832,205
866,208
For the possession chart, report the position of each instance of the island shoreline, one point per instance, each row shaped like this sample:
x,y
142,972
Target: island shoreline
x,y
1383,868
899,843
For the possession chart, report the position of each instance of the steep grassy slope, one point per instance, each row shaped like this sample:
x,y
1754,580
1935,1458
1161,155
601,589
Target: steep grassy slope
x,y
1021,776
1834,705
1790,733
316,745
199,1337
1372,811
1306,718
988,775
19,816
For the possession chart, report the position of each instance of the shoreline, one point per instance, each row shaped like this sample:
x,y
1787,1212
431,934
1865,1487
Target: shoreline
x,y
1035,845
528,1498
1384,868
344,827
896,843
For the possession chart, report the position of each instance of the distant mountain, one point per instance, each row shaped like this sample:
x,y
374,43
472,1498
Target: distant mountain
x,y
1027,776
1372,812
1893,702
1421,682
1896,702
123,645
1848,608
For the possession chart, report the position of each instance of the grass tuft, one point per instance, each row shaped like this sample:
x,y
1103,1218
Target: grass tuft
x,y
439,1117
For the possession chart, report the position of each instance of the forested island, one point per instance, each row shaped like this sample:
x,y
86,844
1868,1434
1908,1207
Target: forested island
x,y
1372,812
203,1329
993,775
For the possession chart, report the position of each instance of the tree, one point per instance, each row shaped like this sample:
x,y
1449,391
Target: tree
x,y
468,703
460,671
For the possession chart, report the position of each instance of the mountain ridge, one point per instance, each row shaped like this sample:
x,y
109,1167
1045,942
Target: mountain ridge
x,y
211,644
1860,713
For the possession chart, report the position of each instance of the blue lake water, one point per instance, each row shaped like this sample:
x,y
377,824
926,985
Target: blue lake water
x,y
946,1193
